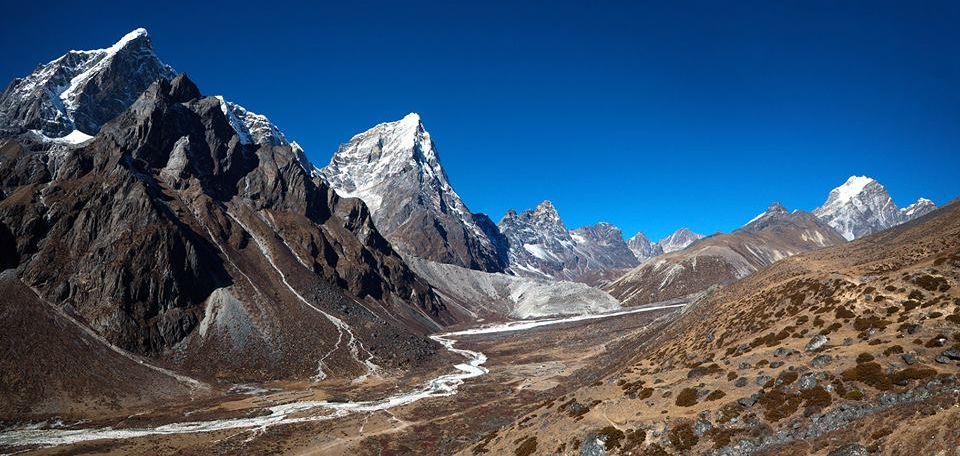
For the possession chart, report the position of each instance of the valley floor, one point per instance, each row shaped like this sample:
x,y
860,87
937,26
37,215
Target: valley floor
x,y
527,366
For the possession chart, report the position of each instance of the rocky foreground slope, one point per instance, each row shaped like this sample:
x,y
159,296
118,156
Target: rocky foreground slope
x,y
852,349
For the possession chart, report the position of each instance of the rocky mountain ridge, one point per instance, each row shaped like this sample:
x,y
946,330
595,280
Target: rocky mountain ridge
x,y
541,246
82,90
395,169
724,258
862,206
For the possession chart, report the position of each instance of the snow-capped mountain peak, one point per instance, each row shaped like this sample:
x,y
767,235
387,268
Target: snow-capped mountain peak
x,y
547,213
395,169
858,207
678,240
642,247
540,245
854,186
134,34
382,153
862,206
920,208
82,90
69,98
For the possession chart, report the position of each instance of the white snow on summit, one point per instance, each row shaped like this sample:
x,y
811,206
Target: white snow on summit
x,y
65,78
851,188
374,157
678,240
861,206
541,246
920,208
395,169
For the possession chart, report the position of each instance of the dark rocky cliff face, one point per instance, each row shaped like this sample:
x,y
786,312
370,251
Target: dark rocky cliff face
x,y
169,237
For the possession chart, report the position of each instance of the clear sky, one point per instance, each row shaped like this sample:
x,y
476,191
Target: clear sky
x,y
649,115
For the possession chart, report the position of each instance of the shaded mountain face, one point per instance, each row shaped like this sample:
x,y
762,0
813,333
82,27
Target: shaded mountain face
x,y
724,258
82,90
642,247
541,246
256,269
862,206
394,168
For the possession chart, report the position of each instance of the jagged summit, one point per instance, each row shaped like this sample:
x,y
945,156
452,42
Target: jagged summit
x,y
71,97
132,37
642,247
82,90
412,119
852,187
920,208
395,169
678,240
182,89
542,246
774,211
862,206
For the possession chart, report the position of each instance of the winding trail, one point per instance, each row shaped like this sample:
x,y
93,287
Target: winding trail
x,y
305,411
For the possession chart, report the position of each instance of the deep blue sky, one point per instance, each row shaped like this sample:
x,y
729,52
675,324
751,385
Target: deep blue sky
x,y
650,115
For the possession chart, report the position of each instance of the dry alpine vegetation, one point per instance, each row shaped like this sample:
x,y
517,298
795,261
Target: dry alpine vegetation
x,y
845,351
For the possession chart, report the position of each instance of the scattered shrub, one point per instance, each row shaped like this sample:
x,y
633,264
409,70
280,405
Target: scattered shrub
x,y
893,350
816,397
528,447
715,395
682,436
687,397
854,395
931,283
611,437
778,405
873,321
843,312
912,373
788,377
869,373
